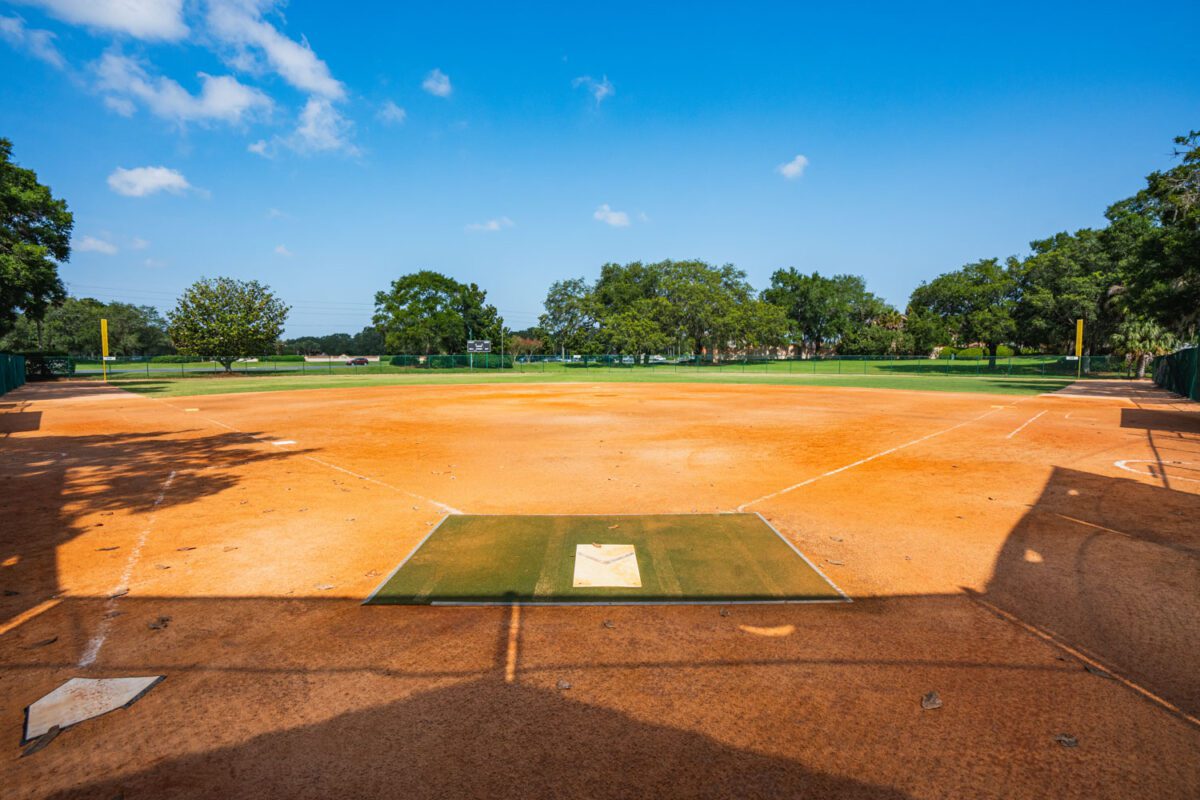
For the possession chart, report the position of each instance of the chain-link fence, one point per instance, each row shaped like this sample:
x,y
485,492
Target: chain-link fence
x,y
1017,366
1179,372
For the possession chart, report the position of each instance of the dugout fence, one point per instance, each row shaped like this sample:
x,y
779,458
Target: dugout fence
x,y
12,372
1179,372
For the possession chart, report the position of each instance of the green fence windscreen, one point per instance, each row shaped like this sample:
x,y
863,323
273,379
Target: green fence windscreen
x,y
12,372
1179,372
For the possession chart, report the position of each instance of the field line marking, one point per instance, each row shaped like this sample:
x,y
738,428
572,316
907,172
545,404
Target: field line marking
x,y
92,651
28,614
407,558
514,629
445,508
1022,426
1061,644
1123,464
862,461
796,550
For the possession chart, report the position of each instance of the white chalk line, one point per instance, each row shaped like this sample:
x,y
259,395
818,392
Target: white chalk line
x,y
442,506
1023,425
1123,462
862,461
445,508
1057,641
92,651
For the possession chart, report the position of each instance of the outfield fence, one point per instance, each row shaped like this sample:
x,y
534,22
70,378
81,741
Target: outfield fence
x,y
12,372
1179,372
1015,366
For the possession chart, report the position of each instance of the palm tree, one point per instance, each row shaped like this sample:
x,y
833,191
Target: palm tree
x,y
1139,340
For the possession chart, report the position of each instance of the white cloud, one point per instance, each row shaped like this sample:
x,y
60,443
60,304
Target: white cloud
x,y
138,243
142,19
491,226
617,219
240,24
154,263
280,250
144,181
90,244
793,169
275,213
261,147
120,105
38,43
600,89
322,128
221,98
391,113
437,83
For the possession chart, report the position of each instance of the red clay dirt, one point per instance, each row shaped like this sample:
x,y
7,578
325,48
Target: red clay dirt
x,y
994,548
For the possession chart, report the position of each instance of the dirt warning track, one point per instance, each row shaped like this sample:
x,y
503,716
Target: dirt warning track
x,y
1034,561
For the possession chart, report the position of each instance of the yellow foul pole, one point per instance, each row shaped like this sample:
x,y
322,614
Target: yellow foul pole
x,y
104,347
1078,348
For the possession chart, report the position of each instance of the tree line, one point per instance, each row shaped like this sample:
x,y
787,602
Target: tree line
x,y
1135,282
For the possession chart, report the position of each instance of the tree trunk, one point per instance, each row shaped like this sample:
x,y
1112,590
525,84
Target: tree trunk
x,y
1143,360
41,346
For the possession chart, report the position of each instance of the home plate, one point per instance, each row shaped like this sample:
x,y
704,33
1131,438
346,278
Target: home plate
x,y
606,565
80,699
282,442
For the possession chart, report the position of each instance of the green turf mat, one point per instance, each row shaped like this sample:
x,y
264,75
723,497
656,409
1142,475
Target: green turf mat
x,y
681,558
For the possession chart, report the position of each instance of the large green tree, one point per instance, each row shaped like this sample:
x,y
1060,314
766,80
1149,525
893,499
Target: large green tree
x,y
35,236
824,310
227,319
1066,278
74,327
976,302
427,312
569,320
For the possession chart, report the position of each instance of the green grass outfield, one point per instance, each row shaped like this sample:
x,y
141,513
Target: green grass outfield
x,y
681,558
267,382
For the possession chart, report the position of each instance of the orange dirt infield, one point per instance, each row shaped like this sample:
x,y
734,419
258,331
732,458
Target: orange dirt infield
x,y
1033,560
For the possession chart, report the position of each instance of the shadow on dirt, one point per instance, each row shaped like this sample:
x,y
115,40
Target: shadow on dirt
x,y
49,483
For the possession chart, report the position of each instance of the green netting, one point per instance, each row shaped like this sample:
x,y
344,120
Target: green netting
x,y
1048,366
12,372
1179,372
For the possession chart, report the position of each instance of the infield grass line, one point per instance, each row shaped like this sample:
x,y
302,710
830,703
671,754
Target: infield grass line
x,y
1057,641
796,550
861,461
399,566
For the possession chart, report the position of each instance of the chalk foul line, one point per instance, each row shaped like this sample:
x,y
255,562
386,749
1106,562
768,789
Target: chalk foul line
x,y
862,461
92,651
1022,426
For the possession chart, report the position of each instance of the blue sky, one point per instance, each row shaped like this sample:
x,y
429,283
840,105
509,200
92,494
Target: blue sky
x,y
326,149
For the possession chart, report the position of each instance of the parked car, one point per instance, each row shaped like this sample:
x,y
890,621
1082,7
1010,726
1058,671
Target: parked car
x,y
357,362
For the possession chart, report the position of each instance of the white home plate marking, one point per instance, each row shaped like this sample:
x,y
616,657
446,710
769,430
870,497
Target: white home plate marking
x,y
606,565
282,442
80,699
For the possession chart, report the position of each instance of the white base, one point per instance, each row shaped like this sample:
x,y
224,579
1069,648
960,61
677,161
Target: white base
x,y
606,565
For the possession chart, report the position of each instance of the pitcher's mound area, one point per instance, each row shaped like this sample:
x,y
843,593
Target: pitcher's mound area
x,y
562,560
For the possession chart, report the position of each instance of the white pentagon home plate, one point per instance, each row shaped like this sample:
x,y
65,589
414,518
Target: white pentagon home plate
x,y
81,699
606,565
